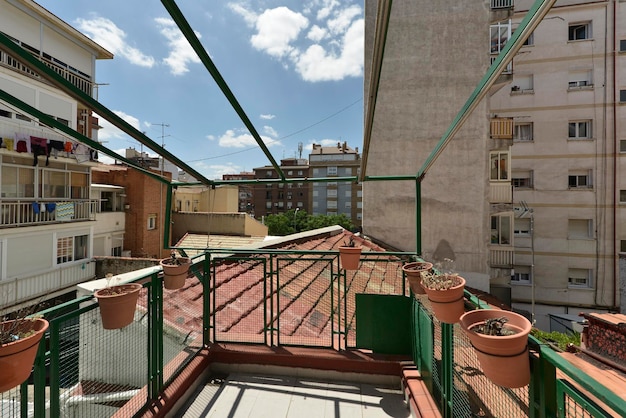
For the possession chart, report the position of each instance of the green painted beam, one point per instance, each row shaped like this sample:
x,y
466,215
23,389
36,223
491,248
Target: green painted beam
x,y
534,16
190,35
26,58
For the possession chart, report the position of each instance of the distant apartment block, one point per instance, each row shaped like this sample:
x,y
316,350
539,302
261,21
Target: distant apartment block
x,y
274,198
246,191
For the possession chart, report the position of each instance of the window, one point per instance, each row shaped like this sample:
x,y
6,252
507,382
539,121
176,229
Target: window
x,y
281,195
299,172
530,40
331,204
290,173
579,180
72,248
17,181
499,33
5,114
522,226
622,145
523,131
331,193
522,179
300,204
348,205
622,96
523,83
622,45
268,194
316,171
268,205
579,278
315,193
579,79
289,205
579,31
622,246
579,129
501,229
622,196
579,228
499,163
331,171
521,275
152,221
289,195
116,251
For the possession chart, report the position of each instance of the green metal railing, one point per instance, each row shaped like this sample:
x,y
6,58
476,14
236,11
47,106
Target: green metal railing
x,y
450,368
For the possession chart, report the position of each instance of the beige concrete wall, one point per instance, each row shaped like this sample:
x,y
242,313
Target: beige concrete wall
x,y
216,223
196,199
436,53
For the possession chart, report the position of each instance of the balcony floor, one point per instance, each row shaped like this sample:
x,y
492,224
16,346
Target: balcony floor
x,y
259,395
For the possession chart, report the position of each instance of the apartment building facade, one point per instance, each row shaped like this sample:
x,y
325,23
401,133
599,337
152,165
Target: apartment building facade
x,y
47,214
246,191
274,198
336,197
539,210
566,102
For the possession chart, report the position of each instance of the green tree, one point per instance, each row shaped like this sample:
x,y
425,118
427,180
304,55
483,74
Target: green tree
x,y
294,221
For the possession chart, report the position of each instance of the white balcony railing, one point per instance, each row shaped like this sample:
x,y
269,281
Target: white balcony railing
x,y
26,213
500,192
501,255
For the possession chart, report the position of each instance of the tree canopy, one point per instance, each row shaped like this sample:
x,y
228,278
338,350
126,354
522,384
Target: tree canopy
x,y
294,221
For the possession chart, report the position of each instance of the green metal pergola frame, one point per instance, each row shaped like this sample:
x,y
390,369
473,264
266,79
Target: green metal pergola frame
x,y
534,16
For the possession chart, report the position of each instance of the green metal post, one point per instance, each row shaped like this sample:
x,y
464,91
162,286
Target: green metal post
x,y
24,400
418,216
155,337
206,299
55,405
447,368
345,310
270,277
39,376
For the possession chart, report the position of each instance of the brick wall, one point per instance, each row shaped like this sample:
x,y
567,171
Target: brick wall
x,y
606,335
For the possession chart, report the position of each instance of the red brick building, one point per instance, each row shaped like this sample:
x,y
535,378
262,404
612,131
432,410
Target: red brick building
x,y
145,208
275,198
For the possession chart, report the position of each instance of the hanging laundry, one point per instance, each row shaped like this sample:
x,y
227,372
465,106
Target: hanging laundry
x,y
50,207
39,147
22,142
36,207
55,146
81,153
69,148
9,143
64,211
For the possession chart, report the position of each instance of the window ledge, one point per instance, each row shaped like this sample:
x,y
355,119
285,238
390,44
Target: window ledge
x,y
588,87
585,288
520,92
573,41
525,284
581,139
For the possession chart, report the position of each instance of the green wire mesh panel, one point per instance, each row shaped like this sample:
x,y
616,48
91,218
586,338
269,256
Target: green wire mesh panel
x,y
572,403
10,403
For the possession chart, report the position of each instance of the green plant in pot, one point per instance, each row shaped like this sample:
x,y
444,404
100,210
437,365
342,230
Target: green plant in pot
x,y
413,272
175,271
19,341
500,339
445,291
350,254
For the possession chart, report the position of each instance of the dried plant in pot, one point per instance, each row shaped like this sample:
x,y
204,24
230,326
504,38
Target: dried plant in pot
x,y
413,272
175,271
445,291
118,304
350,255
19,341
500,339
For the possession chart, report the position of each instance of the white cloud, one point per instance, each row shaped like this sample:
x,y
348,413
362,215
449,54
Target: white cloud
x,y
110,131
319,64
330,50
267,116
107,34
180,52
276,29
105,159
241,138
216,171
270,131
316,34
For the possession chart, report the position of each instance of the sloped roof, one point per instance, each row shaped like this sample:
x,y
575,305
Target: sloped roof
x,y
304,300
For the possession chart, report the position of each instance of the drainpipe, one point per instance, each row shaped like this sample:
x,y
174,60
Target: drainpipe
x,y
615,149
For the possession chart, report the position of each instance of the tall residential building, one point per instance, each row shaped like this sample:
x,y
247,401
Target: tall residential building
x,y
566,102
528,194
47,219
246,191
339,197
275,198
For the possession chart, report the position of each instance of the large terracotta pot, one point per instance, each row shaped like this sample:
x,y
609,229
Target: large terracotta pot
x,y
17,357
413,272
504,359
350,257
448,304
118,304
175,273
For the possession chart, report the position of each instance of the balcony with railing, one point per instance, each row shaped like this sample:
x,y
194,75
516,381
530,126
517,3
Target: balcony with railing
x,y
283,308
501,4
30,212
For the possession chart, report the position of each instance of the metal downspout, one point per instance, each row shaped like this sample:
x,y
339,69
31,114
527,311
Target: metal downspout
x,y
61,83
380,39
615,149
534,16
189,34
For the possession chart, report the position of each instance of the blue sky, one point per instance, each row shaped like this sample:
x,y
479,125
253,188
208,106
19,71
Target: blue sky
x,y
296,68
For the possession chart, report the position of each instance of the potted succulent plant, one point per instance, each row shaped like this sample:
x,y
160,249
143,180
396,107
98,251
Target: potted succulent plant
x,y
413,272
175,271
445,291
117,304
350,255
19,341
500,339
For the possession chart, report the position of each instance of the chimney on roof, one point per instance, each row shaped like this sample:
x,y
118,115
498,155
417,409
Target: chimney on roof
x,y
345,145
339,145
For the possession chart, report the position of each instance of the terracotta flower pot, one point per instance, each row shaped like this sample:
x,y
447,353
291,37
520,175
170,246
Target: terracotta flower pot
x,y
174,275
504,359
448,304
350,257
17,357
413,272
118,304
